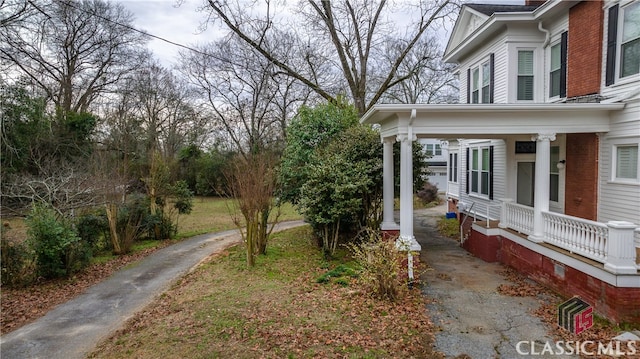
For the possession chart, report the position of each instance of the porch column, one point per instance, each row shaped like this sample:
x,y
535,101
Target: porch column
x,y
388,222
406,239
542,183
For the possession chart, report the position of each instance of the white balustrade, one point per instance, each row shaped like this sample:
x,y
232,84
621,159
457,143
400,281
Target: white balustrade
x,y
577,235
517,217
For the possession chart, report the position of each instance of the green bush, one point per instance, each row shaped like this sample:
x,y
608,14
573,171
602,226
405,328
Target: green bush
x,y
17,263
92,228
449,227
58,248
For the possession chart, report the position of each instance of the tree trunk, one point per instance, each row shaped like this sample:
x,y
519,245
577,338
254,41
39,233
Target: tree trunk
x,y
112,218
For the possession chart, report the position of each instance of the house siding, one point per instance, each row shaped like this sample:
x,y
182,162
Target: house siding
x,y
619,201
496,47
555,28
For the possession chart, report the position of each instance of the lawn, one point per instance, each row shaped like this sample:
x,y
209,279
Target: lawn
x,y
276,310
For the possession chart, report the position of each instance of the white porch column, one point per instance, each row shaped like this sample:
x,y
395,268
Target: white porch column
x,y
542,183
388,222
621,251
406,239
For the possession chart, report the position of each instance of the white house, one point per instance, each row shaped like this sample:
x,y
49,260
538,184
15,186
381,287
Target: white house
x,y
543,147
437,162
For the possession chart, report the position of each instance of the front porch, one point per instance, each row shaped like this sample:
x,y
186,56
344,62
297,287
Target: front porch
x,y
574,256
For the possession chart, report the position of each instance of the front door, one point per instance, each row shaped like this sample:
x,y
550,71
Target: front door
x,y
526,183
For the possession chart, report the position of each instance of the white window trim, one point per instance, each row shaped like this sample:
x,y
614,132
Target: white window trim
x,y
614,163
556,40
453,167
538,74
618,58
478,66
478,194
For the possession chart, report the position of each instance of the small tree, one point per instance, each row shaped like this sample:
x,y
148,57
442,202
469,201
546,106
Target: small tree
x,y
252,183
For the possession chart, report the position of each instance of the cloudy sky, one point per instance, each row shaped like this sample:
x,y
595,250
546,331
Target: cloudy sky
x,y
180,24
164,19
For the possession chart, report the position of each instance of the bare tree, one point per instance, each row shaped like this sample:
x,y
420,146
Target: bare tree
x,y
74,51
346,37
249,101
431,80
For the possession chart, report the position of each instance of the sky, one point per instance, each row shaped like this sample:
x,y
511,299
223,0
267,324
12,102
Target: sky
x,y
181,24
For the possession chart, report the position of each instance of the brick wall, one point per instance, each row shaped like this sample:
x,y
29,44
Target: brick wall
x,y
584,50
581,168
534,2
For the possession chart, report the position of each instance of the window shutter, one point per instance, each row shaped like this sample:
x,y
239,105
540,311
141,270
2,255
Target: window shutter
x,y
491,172
468,170
612,34
469,85
491,80
563,65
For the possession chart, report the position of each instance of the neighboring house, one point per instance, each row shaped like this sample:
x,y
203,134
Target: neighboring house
x,y
437,162
543,147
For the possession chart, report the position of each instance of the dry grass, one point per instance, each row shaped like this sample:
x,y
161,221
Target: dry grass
x,y
275,310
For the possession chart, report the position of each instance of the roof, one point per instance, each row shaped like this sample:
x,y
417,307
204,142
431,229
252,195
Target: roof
x,y
490,9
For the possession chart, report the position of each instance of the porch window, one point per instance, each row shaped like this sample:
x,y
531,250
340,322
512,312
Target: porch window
x,y
554,173
525,75
626,162
453,167
480,171
486,76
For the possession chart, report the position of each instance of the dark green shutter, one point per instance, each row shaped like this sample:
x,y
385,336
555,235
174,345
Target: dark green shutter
x,y
491,79
490,172
469,85
468,170
612,37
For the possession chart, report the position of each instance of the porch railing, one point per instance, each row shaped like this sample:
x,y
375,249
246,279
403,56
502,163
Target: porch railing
x,y
613,243
577,235
517,217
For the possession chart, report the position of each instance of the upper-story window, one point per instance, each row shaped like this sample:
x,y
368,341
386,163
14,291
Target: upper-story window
x,y
525,75
630,44
623,42
558,68
480,82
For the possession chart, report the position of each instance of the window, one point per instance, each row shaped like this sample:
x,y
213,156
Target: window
x,y
433,149
453,167
630,44
486,75
480,171
554,173
625,44
525,75
475,90
558,68
626,162
480,82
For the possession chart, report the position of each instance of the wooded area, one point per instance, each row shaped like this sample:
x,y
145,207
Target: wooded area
x,y
95,129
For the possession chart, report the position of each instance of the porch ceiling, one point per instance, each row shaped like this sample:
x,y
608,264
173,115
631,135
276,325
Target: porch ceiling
x,y
490,120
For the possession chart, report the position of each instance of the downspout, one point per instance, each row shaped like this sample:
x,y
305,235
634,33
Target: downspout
x,y
547,35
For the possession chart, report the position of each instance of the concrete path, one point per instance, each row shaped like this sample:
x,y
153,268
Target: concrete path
x,y
472,317
73,329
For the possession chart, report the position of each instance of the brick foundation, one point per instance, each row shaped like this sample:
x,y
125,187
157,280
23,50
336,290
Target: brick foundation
x,y
620,305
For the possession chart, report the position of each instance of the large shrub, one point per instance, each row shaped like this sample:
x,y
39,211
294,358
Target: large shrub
x,y
312,128
58,248
342,192
17,262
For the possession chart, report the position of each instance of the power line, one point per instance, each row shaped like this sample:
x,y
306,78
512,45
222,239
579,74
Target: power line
x,y
145,33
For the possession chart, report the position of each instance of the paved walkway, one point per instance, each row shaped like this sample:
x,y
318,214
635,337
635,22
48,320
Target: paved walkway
x,y
73,329
472,317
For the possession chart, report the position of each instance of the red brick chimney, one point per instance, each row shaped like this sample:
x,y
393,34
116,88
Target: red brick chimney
x,y
584,49
534,2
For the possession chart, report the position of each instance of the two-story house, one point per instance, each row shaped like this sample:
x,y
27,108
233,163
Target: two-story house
x,y
543,148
